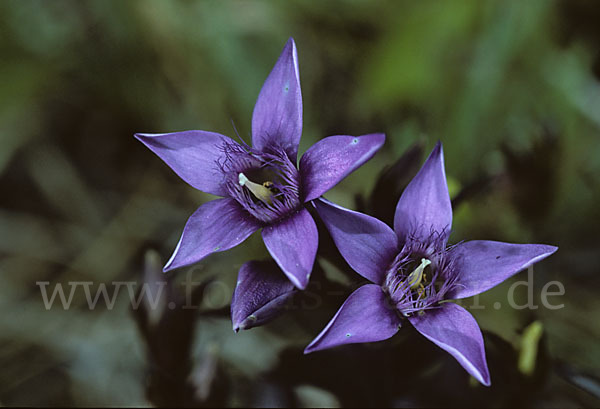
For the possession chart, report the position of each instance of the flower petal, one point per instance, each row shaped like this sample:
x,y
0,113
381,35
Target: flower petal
x,y
260,294
367,244
424,207
216,226
193,155
483,264
293,243
277,117
364,317
331,159
454,329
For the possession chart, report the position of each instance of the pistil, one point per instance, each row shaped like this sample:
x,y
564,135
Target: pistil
x,y
261,192
414,278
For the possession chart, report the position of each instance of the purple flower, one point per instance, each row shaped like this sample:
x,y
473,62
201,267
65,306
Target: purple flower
x,y
260,295
261,185
414,271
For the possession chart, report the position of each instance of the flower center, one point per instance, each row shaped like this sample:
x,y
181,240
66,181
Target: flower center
x,y
263,192
419,278
266,184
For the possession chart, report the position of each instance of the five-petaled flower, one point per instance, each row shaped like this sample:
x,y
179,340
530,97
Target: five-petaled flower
x,y
415,273
261,185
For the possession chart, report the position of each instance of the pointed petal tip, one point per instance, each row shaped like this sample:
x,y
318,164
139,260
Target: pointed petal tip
x,y
299,284
483,378
546,250
146,137
380,136
436,153
377,138
142,137
242,326
455,330
380,139
293,245
169,265
261,294
313,346
438,150
309,349
290,45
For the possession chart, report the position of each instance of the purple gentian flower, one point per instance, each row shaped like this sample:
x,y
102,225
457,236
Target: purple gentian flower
x,y
415,273
260,295
261,185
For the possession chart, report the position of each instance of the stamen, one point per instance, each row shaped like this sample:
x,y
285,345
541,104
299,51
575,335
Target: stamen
x,y
261,192
414,278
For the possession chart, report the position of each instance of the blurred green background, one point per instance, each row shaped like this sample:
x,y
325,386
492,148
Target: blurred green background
x,y
510,87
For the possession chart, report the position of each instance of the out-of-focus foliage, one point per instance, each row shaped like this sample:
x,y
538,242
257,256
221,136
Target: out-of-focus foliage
x,y
512,89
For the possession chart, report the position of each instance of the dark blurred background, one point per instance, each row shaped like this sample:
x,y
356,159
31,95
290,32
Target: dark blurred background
x,y
511,88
